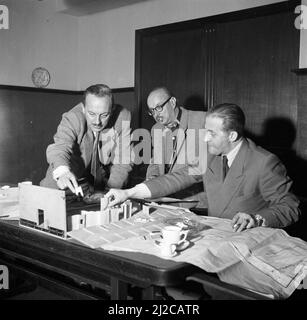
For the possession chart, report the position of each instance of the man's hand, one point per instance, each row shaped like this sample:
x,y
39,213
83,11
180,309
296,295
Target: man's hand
x,y
242,221
117,196
67,180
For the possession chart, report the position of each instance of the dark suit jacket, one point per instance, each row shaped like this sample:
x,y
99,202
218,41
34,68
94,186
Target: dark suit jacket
x,y
191,123
73,146
257,183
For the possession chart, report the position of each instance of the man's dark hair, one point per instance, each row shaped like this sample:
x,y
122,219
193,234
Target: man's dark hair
x,y
99,90
232,115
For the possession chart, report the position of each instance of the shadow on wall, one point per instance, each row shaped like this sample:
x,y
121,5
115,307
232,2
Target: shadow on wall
x,y
194,102
29,118
279,134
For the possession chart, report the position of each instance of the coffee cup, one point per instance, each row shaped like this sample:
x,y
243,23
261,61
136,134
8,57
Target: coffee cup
x,y
174,235
167,249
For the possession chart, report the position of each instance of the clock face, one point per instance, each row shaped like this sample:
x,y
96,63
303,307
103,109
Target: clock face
x,y
40,77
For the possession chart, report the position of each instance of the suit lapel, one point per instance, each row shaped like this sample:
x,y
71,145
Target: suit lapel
x,y
213,183
181,136
221,193
234,177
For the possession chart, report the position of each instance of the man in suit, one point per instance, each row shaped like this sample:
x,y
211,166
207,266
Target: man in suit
x,y
92,143
243,181
175,140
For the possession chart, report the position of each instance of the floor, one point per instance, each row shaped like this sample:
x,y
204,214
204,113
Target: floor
x,y
29,291
26,290
38,294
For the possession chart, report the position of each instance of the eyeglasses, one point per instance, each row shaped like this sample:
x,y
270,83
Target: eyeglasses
x,y
158,108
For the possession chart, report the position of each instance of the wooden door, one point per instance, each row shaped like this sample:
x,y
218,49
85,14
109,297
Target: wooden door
x,y
254,58
177,59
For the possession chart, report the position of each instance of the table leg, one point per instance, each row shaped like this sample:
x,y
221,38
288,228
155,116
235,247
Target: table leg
x,y
119,289
148,293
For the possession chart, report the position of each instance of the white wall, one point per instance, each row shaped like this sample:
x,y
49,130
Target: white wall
x,y
38,36
106,39
79,51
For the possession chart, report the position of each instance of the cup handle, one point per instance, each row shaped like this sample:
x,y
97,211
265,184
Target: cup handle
x,y
183,236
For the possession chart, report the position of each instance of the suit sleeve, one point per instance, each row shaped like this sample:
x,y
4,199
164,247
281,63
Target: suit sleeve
x,y
121,164
275,187
173,182
59,153
152,170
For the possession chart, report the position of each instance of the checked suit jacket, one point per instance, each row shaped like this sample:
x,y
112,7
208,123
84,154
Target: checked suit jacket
x,y
186,151
73,146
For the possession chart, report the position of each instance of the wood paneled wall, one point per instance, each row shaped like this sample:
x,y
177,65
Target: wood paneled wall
x,y
28,120
243,57
254,58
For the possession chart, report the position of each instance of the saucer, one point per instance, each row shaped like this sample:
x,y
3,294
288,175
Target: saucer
x,y
171,256
158,242
182,246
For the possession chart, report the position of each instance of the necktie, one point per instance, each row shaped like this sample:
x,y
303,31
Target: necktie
x,y
225,167
95,163
168,166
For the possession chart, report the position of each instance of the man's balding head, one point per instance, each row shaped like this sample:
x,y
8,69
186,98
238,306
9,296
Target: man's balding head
x,y
162,106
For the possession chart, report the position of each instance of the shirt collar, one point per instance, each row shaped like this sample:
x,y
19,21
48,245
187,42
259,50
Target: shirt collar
x,y
232,154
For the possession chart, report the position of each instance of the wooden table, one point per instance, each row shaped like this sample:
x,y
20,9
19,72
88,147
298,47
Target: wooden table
x,y
61,264
52,259
70,267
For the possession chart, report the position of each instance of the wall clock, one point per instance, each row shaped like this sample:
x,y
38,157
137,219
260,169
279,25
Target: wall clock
x,y
40,77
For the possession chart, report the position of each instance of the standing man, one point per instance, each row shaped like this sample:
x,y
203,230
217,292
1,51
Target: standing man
x,y
92,143
243,182
172,149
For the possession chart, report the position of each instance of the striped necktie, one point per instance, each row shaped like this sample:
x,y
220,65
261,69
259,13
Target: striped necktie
x,y
225,167
95,162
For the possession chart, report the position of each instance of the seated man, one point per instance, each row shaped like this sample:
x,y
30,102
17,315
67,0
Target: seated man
x,y
172,148
92,143
243,181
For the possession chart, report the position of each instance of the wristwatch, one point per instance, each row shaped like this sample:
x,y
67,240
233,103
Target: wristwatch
x,y
260,221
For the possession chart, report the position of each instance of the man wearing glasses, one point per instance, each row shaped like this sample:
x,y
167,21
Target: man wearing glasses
x,y
91,145
172,149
